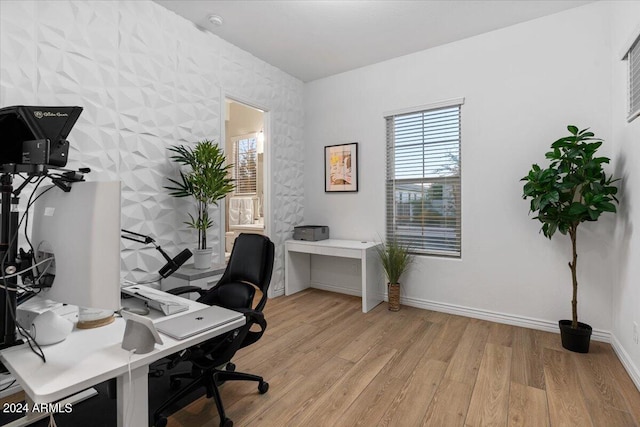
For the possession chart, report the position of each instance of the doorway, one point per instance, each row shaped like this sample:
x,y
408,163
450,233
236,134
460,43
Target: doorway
x,y
245,149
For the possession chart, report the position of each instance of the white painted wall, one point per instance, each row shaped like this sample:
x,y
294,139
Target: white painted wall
x,y
626,289
522,86
148,79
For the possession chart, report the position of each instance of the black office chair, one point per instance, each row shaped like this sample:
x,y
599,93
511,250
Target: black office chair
x,y
249,268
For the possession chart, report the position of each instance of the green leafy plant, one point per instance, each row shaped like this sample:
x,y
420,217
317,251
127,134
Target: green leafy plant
x,y
206,180
395,259
572,190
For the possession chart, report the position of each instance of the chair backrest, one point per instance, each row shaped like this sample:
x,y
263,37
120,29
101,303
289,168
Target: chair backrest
x,y
250,265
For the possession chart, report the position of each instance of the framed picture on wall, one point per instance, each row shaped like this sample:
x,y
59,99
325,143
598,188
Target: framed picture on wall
x,y
341,168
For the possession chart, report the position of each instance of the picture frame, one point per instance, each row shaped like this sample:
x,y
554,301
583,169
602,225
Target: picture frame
x,y
341,168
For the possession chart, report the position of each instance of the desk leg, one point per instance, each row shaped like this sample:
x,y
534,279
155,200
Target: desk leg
x,y
133,398
372,280
297,272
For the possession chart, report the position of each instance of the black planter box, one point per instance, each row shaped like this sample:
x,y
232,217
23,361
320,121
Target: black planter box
x,y
575,339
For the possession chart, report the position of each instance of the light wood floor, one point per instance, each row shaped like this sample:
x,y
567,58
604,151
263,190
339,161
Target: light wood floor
x,y
329,364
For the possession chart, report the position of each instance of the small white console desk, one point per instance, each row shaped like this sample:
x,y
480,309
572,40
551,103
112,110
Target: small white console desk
x,y
298,266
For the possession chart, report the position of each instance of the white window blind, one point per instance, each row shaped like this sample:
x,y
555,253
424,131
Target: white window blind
x,y
245,160
633,56
423,180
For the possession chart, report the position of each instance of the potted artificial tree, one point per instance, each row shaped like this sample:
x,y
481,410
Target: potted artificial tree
x,y
207,181
572,190
395,259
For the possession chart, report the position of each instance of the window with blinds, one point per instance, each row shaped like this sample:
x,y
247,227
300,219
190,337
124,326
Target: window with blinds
x,y
245,163
633,56
423,180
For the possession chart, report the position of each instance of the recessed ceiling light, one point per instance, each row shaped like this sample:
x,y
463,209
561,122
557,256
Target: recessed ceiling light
x,y
216,20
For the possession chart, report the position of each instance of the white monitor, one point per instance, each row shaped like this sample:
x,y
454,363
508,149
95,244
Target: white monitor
x,y
81,228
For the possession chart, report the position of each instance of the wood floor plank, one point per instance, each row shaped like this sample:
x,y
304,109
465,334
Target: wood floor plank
x,y
270,347
279,326
251,402
328,315
241,400
567,406
624,382
550,340
290,360
465,361
301,301
371,405
339,370
365,341
437,316
604,415
490,398
404,333
405,361
527,360
501,334
328,409
449,405
598,385
527,406
312,387
410,405
353,324
447,341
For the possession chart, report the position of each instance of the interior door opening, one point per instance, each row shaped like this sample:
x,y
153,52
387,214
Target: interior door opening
x,y
245,148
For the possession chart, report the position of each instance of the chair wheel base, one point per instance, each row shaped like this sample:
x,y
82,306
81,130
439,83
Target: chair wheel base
x,y
226,423
263,387
160,422
231,367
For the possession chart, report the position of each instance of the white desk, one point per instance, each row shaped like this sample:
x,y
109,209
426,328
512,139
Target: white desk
x,y
90,356
298,266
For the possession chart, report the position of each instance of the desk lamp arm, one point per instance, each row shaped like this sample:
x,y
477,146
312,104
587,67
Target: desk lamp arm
x,y
172,264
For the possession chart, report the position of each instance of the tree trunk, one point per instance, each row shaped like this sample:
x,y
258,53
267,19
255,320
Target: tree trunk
x,y
574,277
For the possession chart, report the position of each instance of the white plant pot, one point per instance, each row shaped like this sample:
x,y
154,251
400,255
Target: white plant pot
x,y
202,258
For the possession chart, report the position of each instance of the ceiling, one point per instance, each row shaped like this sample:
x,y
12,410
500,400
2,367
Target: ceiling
x,y
312,39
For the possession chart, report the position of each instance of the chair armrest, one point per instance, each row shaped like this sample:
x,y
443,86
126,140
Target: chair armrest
x,y
186,290
253,318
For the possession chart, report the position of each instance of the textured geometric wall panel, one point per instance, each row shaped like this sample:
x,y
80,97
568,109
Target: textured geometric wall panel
x,y
17,53
148,79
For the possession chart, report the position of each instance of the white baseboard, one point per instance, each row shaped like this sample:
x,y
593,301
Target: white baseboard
x,y
509,319
337,289
626,361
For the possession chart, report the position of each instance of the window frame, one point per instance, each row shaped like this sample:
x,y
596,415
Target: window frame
x,y
235,142
632,56
392,181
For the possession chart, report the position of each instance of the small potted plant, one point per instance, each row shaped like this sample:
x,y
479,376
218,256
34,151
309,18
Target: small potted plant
x,y
207,180
572,190
395,259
